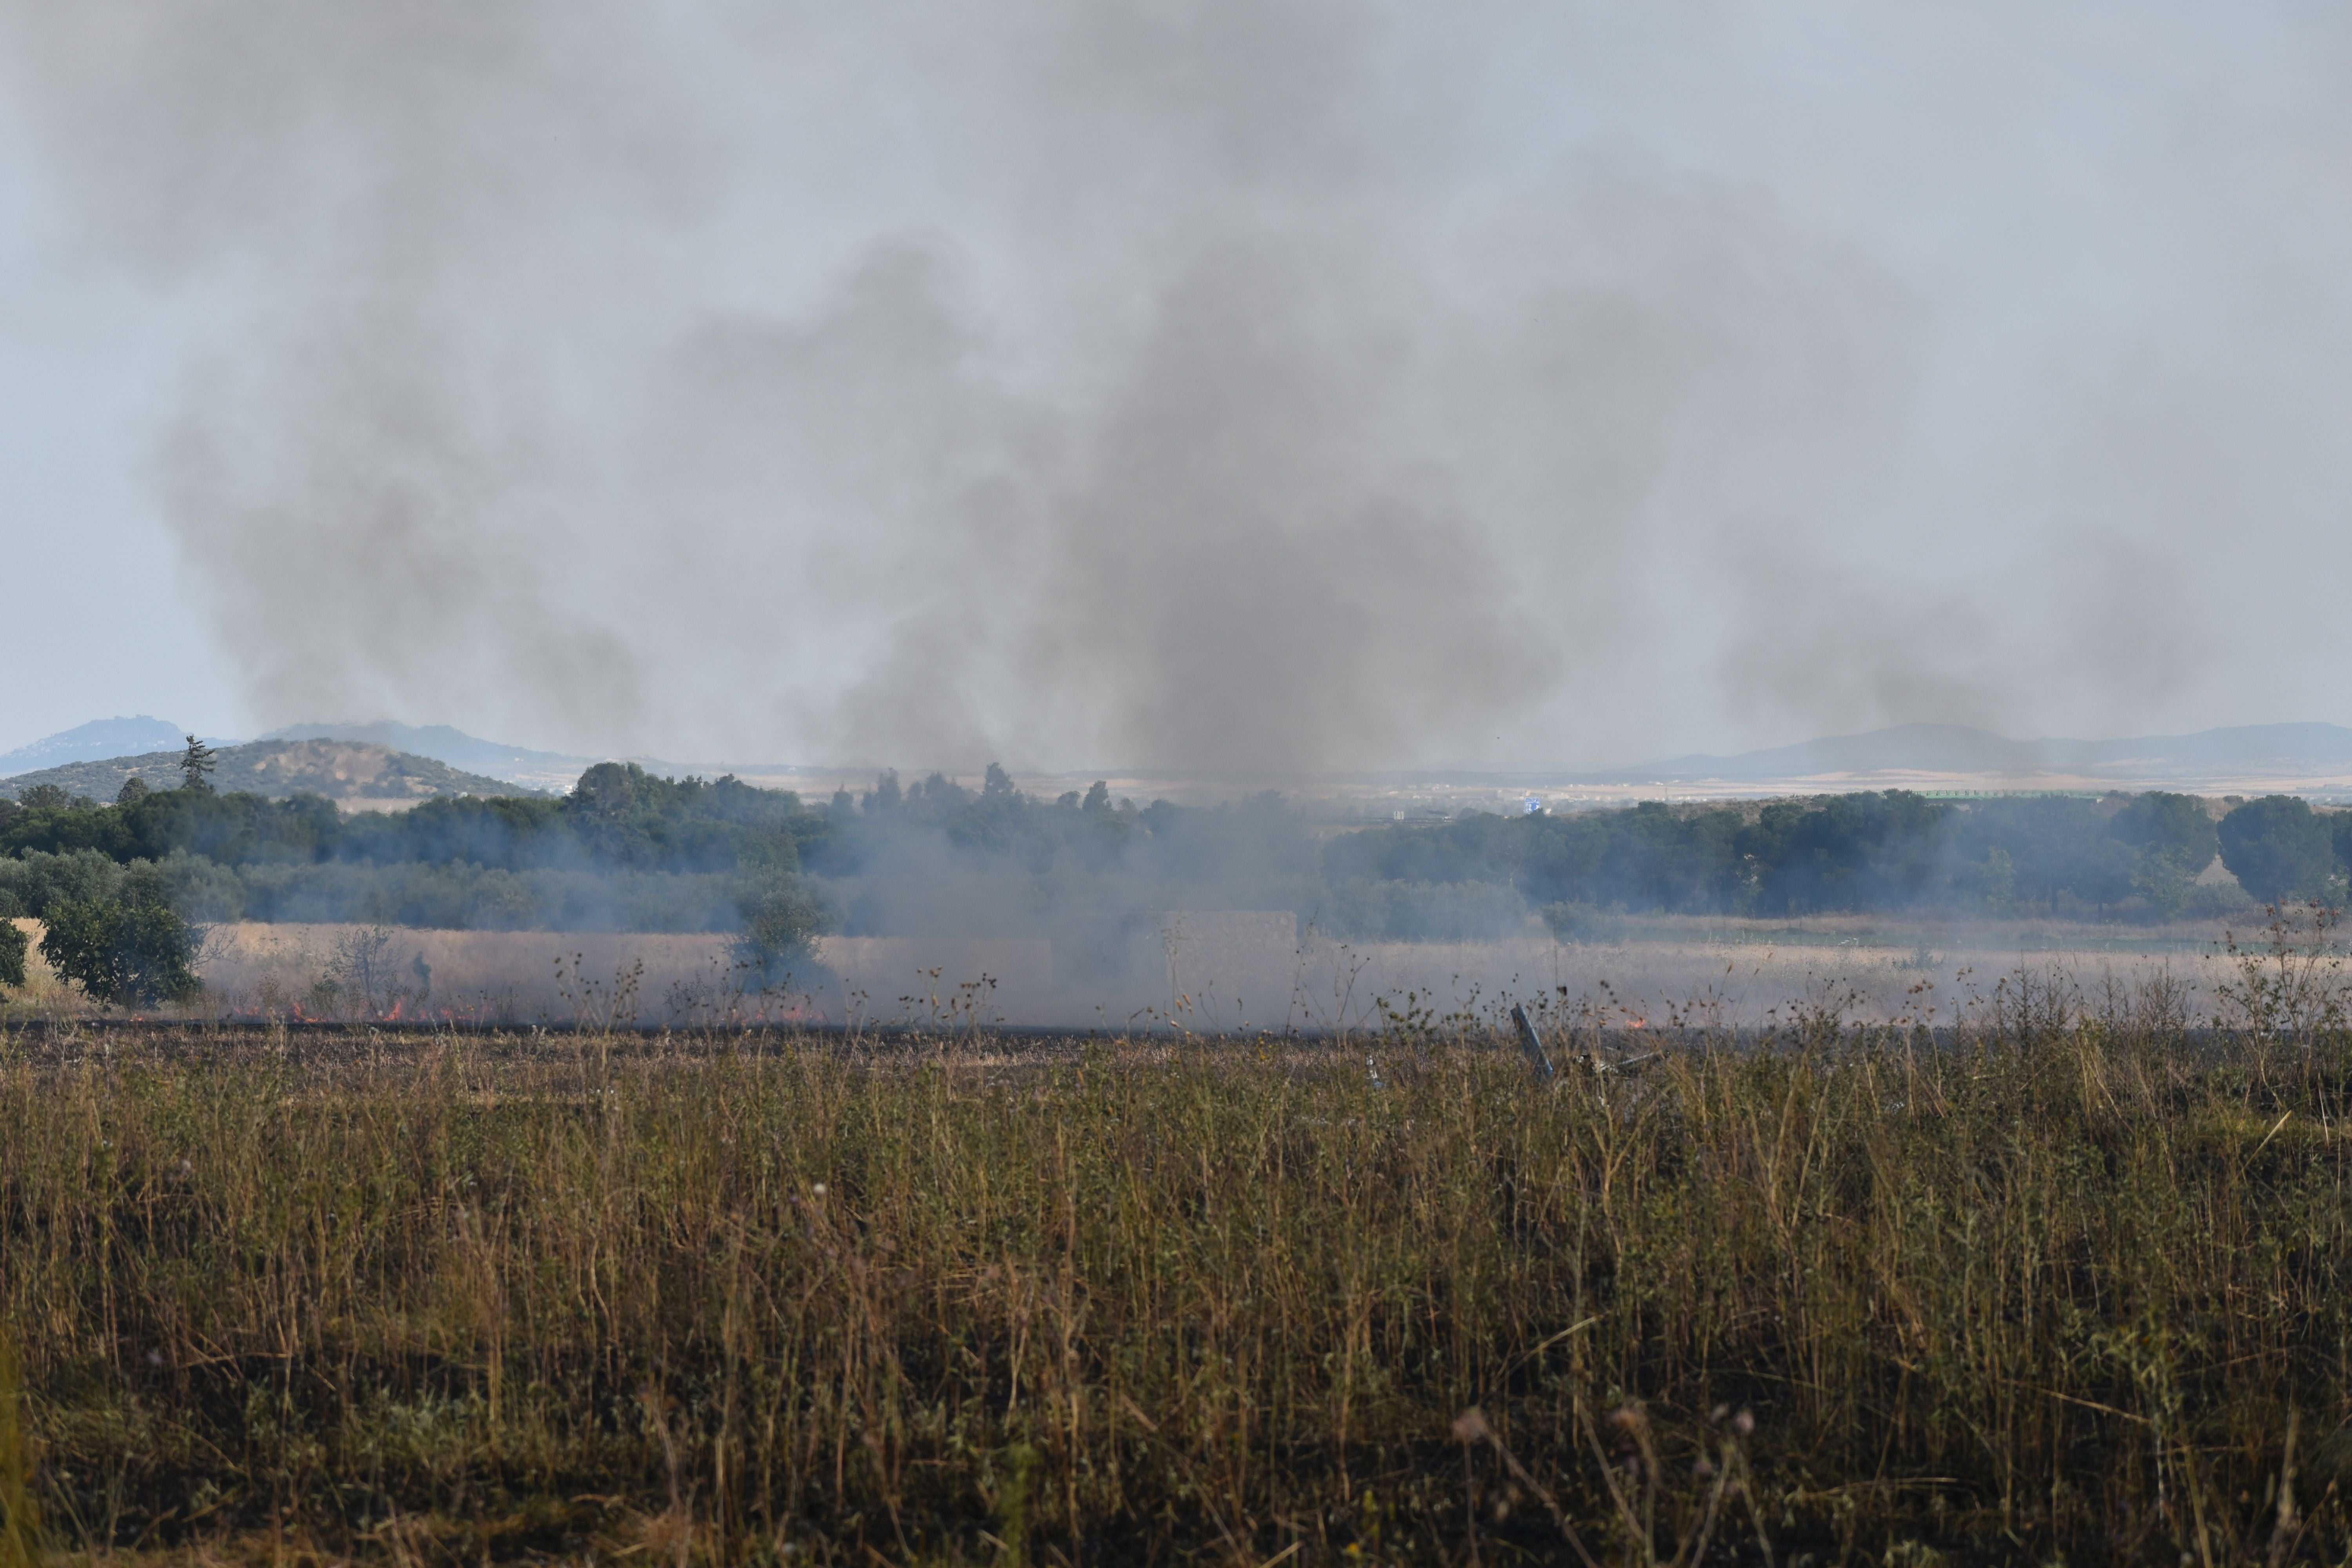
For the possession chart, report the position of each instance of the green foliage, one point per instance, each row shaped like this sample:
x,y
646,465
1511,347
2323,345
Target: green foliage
x,y
2173,828
46,797
1893,850
464,897
626,846
13,945
31,883
780,923
2159,880
134,790
2278,848
134,950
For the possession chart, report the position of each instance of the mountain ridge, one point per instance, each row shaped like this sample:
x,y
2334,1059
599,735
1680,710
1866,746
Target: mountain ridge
x,y
98,739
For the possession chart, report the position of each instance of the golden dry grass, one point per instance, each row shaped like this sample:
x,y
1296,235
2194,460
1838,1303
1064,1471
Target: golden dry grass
x,y
2057,1287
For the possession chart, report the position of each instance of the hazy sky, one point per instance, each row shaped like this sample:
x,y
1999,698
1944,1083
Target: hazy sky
x,y
1252,383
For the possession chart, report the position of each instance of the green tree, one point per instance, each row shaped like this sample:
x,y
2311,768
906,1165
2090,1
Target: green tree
x,y
2162,883
781,924
195,763
2277,849
608,789
122,951
14,945
46,797
2173,826
134,790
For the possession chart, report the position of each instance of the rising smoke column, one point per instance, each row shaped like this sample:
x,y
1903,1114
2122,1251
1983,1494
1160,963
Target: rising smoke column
x,y
1264,387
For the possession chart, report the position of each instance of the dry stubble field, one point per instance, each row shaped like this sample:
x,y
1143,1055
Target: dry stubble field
x,y
1209,972
2067,1283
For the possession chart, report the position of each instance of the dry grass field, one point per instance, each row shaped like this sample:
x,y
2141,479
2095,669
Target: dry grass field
x,y
2067,1283
1208,972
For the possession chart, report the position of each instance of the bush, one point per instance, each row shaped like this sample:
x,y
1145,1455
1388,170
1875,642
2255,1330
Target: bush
x,y
2278,850
31,882
117,951
203,892
782,921
14,945
2170,828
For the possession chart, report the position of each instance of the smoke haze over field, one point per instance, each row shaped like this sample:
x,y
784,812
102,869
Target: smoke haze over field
x,y
1266,386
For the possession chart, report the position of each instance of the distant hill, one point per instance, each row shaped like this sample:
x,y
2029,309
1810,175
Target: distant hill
x,y
88,742
2282,749
557,771
340,770
494,759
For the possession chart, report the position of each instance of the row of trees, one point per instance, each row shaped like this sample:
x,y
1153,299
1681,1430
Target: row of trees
x,y
1873,852
626,850
1878,851
618,818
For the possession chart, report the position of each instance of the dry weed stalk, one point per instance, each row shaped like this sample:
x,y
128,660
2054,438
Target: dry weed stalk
x,y
2007,1294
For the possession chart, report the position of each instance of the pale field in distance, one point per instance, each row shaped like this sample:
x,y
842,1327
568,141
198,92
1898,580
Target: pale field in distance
x,y
1205,972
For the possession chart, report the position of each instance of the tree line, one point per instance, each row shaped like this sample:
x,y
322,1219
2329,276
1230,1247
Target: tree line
x,y
2133,856
629,850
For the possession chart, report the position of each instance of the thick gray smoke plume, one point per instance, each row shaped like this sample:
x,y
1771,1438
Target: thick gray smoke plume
x,y
1255,384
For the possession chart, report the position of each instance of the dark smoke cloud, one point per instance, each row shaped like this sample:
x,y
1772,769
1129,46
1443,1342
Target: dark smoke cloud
x,y
1247,386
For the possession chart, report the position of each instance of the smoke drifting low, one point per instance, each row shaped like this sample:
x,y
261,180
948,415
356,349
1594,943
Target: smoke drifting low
x,y
1250,387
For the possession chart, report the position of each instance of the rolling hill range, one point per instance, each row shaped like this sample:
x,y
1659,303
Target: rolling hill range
x,y
356,775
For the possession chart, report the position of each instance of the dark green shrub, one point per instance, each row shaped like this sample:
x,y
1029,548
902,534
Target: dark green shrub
x,y
782,921
123,952
2277,849
30,883
13,946
2173,828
